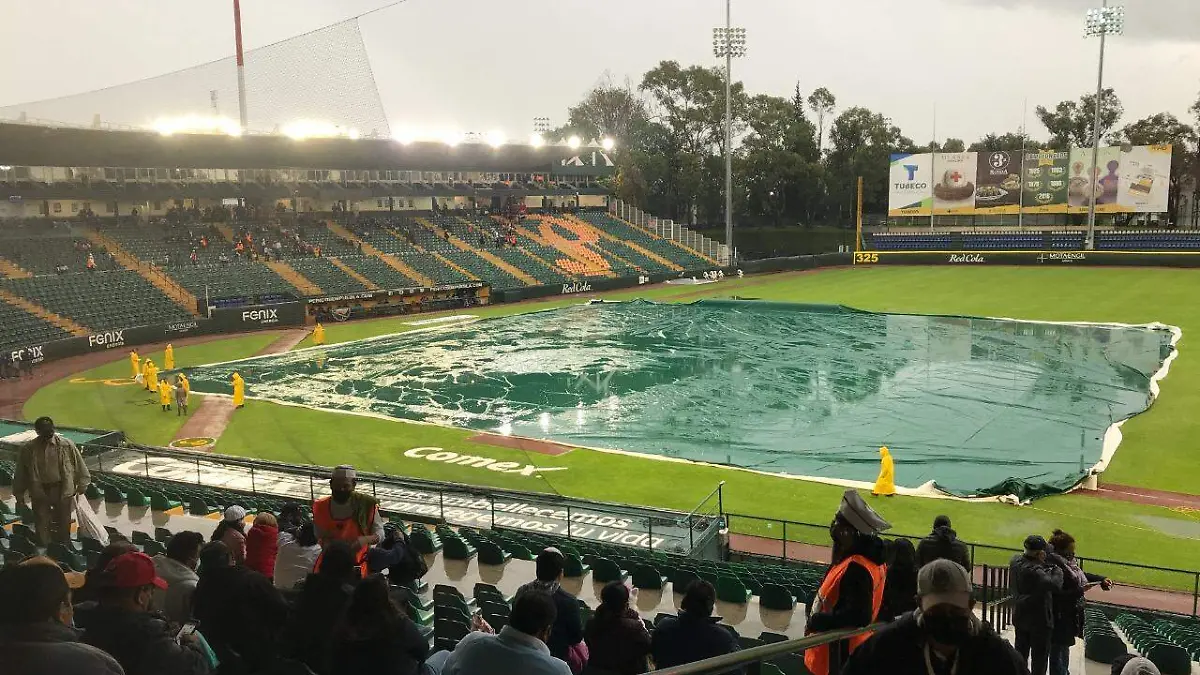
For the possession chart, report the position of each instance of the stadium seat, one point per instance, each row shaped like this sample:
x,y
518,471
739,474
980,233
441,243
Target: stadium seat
x,y
647,577
573,567
160,502
777,597
731,589
605,570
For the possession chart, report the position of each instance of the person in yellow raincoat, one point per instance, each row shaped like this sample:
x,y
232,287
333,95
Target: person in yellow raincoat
x,y
164,394
146,373
318,334
152,381
239,390
886,483
135,362
169,358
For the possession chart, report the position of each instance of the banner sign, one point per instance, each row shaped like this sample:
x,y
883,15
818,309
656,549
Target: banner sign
x,y
954,192
999,178
1023,258
1128,180
374,295
910,185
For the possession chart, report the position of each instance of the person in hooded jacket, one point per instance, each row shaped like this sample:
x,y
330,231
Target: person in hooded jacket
x,y
943,542
1033,581
941,637
239,610
900,590
262,544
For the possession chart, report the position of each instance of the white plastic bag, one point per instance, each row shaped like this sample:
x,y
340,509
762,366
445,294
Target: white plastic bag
x,y
89,523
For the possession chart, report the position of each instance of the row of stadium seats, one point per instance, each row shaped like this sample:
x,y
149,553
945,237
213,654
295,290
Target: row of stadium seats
x,y
1109,240
41,251
19,328
100,300
378,271
326,275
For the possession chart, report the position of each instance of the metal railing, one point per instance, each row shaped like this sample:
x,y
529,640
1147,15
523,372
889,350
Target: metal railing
x,y
669,229
1183,583
727,662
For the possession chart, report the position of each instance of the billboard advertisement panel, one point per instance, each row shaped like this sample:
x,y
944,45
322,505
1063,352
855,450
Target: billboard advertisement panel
x,y
999,183
1046,181
955,180
910,185
1080,188
1145,179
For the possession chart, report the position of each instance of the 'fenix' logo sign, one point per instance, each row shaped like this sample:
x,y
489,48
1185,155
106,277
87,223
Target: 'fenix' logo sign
x,y
31,354
261,315
107,339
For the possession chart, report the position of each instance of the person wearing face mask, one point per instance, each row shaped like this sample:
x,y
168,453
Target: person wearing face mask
x,y
139,639
941,637
348,516
851,594
36,632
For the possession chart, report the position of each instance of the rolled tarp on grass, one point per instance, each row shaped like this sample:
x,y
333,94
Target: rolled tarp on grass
x,y
971,407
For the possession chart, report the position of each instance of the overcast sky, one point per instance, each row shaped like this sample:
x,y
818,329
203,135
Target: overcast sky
x,y
484,64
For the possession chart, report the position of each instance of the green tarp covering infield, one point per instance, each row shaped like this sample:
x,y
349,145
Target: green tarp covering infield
x,y
980,406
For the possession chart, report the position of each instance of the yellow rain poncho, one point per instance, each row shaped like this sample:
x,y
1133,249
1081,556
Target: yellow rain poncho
x,y
886,483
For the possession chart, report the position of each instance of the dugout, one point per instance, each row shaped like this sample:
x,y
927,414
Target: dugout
x,y
400,301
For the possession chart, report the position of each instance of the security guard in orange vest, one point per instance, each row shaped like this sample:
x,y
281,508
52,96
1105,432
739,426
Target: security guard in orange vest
x,y
348,516
851,593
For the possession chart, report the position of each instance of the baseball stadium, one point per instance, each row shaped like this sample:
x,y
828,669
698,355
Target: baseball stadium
x,y
513,355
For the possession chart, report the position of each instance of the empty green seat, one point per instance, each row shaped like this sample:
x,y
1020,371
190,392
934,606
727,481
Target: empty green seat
x,y
731,589
777,597
647,577
605,570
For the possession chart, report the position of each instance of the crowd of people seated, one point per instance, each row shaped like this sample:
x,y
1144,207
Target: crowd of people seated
x,y
326,594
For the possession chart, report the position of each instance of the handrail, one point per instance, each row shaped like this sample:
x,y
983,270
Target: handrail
x,y
707,497
725,662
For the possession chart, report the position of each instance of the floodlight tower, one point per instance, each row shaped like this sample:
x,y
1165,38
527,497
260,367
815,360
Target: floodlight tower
x,y
1101,22
729,42
241,63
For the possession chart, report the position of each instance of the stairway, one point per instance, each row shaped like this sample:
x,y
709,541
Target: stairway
x,y
161,280
492,258
44,314
392,261
294,278
13,271
689,249
371,285
612,237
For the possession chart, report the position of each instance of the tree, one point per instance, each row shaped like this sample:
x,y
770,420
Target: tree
x,y
861,144
1070,123
611,111
779,161
823,103
1012,142
954,145
1163,129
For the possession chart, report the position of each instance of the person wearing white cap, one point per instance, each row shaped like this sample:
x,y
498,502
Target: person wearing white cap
x,y
851,594
232,532
348,515
941,637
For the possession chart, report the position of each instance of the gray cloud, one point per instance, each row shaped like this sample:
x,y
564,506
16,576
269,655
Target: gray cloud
x,y
1175,20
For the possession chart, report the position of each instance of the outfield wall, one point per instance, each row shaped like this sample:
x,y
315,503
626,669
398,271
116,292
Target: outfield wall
x,y
1087,258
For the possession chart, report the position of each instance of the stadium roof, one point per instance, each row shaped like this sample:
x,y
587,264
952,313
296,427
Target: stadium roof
x,y
29,145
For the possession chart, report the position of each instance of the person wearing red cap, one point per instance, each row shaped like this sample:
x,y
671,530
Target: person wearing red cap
x,y
124,626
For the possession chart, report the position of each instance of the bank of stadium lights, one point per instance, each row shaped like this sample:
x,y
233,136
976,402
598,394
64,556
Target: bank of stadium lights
x,y
305,129
196,124
574,142
496,138
607,144
537,140
1104,21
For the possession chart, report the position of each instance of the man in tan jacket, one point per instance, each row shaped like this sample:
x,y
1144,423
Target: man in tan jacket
x,y
51,471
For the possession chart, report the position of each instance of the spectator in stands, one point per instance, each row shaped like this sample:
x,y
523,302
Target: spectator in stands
x,y
232,531
88,596
851,594
51,471
178,569
291,517
297,557
348,515
375,636
568,628
323,598
943,542
1033,582
695,634
36,636
617,639
520,647
942,636
900,590
262,544
124,626
1132,664
91,263
240,610
1068,602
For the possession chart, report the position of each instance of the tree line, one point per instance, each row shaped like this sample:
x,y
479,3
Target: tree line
x,y
797,159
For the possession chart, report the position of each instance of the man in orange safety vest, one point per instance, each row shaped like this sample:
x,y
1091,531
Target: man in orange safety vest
x,y
348,516
851,593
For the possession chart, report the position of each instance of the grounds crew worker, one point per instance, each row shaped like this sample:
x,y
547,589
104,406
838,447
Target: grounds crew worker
x,y
852,591
134,360
318,334
169,357
885,484
164,394
239,390
348,516
51,470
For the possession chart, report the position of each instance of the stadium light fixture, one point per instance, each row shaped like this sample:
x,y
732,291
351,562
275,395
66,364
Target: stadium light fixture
x,y
196,124
496,138
452,138
537,140
729,43
404,136
304,129
1100,22
574,142
607,144
353,134
5,167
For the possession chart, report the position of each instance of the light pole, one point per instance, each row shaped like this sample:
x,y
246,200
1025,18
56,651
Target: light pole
x,y
1101,22
729,42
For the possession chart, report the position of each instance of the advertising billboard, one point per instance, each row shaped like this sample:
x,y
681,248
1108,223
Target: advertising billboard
x,y
1046,181
954,186
999,178
1145,179
1105,184
910,185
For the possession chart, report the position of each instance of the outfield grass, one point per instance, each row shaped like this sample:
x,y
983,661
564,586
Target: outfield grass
x,y
1155,452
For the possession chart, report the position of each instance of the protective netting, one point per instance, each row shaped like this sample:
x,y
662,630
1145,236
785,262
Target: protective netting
x,y
322,76
981,406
